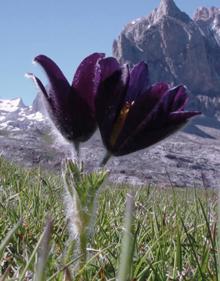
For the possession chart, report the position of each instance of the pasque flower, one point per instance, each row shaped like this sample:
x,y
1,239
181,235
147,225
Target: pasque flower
x,y
71,106
132,114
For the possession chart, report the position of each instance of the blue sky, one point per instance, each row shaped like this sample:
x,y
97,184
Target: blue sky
x,y
66,30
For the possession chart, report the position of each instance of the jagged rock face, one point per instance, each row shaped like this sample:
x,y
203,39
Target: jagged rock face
x,y
208,19
207,14
37,105
176,48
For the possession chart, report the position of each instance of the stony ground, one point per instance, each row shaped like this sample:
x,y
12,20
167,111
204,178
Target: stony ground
x,y
182,160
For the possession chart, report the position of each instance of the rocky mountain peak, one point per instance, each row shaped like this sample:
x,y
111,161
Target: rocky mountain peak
x,y
207,14
37,105
19,102
168,8
178,50
208,19
11,105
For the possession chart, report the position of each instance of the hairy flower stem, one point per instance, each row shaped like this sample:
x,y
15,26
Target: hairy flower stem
x,y
83,239
81,189
105,159
77,149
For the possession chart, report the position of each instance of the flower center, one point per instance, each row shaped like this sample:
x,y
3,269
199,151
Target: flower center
x,y
119,124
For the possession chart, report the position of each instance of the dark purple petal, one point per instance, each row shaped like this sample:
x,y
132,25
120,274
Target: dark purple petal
x,y
58,81
53,111
67,108
86,78
140,111
75,119
108,67
132,115
110,95
149,100
180,99
182,116
175,99
153,133
161,114
48,102
157,125
171,100
157,90
38,84
150,136
139,81
146,138
126,103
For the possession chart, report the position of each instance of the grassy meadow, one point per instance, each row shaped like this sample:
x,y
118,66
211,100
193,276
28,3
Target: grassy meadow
x,y
175,232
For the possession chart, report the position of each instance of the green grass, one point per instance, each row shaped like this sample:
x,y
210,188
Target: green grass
x,y
174,231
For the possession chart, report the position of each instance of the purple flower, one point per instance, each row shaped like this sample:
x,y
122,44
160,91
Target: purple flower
x,y
71,107
132,114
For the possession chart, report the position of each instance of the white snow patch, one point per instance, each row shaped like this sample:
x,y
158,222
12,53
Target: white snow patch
x,y
36,117
6,126
21,119
135,21
9,105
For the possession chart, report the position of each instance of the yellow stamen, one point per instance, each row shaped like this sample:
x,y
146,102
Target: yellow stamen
x,y
119,124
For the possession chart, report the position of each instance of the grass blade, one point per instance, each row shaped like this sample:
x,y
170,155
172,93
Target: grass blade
x,y
21,278
127,248
43,253
8,237
193,250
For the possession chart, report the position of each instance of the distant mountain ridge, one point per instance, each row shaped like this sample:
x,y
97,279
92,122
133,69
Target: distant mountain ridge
x,y
178,49
17,116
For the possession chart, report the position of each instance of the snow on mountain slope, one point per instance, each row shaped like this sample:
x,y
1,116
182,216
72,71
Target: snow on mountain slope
x,y
26,135
14,115
11,105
